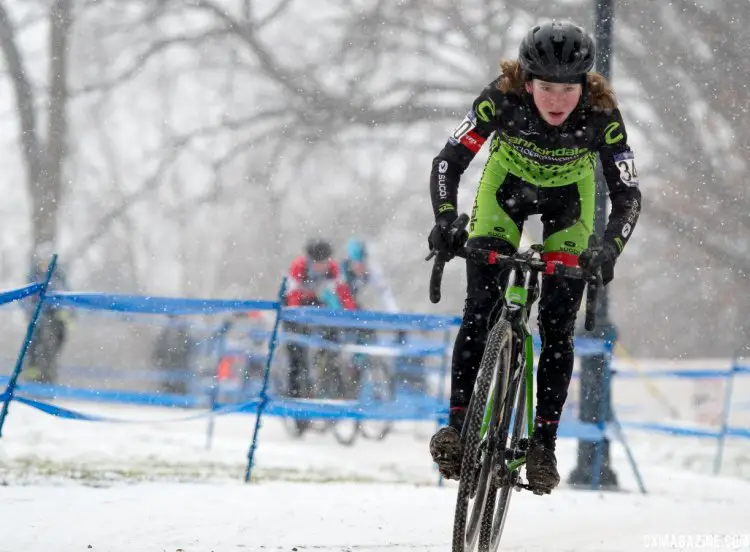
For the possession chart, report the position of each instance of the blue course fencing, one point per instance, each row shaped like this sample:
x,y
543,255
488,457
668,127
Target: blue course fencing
x,y
123,304
721,433
414,407
262,401
15,295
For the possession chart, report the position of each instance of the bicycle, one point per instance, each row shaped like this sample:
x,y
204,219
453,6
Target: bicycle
x,y
363,377
331,380
494,438
374,384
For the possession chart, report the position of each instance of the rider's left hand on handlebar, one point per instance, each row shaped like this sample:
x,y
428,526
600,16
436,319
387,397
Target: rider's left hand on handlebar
x,y
603,256
447,236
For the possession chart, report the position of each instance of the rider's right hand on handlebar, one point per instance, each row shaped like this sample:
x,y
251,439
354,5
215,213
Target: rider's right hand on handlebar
x,y
447,236
603,256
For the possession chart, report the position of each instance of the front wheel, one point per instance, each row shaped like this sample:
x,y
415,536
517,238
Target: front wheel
x,y
478,440
498,500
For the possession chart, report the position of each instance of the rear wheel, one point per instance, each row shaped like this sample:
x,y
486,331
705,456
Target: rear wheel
x,y
346,431
331,385
296,427
478,446
377,388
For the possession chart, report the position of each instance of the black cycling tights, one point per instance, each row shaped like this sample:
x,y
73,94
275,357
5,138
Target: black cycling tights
x,y
558,305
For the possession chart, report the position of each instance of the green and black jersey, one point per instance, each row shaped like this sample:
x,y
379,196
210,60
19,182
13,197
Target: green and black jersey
x,y
534,167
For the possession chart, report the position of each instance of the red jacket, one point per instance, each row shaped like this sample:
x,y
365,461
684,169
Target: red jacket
x,y
306,287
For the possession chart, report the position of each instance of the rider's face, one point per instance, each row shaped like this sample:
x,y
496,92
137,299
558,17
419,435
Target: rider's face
x,y
555,101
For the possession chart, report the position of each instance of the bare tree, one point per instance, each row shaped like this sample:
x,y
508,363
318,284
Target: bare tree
x,y
44,152
270,133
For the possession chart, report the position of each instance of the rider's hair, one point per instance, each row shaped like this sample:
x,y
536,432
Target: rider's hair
x,y
600,93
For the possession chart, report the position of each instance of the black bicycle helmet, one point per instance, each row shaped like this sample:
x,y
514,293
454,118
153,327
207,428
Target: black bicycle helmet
x,y
319,250
557,52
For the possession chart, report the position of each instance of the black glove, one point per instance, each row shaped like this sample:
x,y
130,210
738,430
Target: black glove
x,y
446,237
603,256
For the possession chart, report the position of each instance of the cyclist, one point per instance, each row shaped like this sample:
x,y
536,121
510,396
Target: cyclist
x,y
314,280
547,116
360,272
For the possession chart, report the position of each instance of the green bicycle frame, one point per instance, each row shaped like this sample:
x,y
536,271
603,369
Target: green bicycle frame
x,y
518,297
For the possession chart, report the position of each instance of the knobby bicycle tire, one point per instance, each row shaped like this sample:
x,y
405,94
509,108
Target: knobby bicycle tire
x,y
496,511
475,467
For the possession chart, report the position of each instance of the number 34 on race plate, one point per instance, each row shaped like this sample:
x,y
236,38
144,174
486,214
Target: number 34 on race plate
x,y
626,165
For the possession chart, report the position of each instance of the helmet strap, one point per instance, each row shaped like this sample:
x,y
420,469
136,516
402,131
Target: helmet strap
x,y
584,90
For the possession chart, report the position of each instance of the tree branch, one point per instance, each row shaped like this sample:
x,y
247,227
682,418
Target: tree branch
x,y
144,57
154,182
727,256
24,96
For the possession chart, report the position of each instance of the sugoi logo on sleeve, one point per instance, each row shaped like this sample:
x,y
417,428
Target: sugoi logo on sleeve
x,y
442,188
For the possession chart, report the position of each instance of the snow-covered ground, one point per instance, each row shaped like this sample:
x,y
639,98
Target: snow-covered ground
x,y
72,485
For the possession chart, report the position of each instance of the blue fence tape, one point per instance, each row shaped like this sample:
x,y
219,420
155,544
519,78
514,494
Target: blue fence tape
x,y
576,429
688,431
60,412
112,396
381,348
689,374
19,293
367,319
739,432
317,410
70,414
673,430
584,346
337,410
156,305
66,373
420,348
426,408
321,317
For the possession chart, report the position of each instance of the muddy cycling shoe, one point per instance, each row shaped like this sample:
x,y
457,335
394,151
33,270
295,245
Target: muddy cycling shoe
x,y
541,468
445,448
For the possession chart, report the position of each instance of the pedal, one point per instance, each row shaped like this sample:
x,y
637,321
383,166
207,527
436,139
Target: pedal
x,y
536,490
514,454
